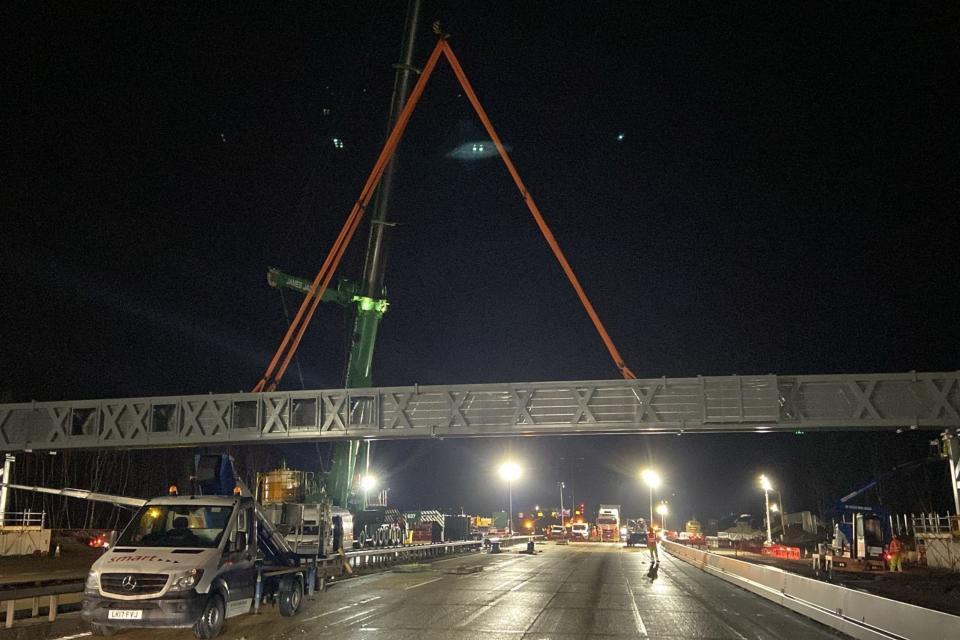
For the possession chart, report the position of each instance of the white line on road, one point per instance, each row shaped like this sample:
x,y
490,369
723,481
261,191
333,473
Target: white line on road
x,y
641,628
422,583
343,608
637,619
356,615
76,635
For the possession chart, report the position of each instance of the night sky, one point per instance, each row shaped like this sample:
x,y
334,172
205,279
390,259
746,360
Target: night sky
x,y
741,190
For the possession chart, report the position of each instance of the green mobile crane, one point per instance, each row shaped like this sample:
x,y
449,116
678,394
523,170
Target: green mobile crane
x,y
367,298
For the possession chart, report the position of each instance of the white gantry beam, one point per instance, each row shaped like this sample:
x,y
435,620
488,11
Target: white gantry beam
x,y
660,405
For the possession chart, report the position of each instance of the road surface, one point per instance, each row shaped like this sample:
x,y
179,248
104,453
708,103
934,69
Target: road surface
x,y
570,592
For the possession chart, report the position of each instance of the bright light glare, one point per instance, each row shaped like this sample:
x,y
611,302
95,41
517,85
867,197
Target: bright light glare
x,y
651,478
509,471
368,483
774,508
765,483
662,509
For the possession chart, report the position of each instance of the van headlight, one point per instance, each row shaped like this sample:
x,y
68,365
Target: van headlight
x,y
93,582
186,580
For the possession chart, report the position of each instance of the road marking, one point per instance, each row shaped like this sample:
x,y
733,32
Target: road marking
x,y
505,563
641,628
422,583
343,608
637,618
355,616
76,635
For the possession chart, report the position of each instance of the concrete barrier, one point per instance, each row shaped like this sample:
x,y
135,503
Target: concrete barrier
x,y
860,615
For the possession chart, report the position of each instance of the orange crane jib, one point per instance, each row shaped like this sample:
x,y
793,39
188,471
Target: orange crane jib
x,y
294,334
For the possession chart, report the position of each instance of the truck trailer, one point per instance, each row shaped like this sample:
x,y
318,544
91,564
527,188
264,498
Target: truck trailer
x,y
608,522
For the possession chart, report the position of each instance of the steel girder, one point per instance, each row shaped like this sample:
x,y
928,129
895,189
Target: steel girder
x,y
660,405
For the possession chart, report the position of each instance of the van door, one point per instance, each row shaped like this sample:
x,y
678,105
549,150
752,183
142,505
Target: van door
x,y
238,567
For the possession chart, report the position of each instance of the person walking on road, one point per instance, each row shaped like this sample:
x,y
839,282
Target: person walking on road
x,y
896,554
652,545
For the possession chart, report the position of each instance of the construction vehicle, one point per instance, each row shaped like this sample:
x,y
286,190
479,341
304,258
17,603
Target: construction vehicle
x,y
634,532
367,298
192,561
580,531
860,531
608,522
379,526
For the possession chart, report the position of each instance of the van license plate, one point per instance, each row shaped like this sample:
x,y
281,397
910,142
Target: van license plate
x,y
125,614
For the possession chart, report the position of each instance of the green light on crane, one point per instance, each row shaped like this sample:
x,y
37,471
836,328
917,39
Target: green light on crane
x,y
365,303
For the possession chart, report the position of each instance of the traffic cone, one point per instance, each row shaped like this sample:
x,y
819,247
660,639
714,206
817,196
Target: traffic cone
x,y
56,552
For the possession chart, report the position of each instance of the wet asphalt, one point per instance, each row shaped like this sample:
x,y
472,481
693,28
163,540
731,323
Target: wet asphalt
x,y
573,591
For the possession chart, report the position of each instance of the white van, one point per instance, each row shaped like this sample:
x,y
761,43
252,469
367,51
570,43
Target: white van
x,y
187,562
580,530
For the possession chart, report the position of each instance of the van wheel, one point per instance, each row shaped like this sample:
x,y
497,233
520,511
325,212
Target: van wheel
x,y
101,630
291,595
210,623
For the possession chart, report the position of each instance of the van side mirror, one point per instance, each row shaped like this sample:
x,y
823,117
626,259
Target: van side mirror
x,y
240,543
112,539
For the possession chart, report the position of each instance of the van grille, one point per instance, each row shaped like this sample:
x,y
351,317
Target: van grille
x,y
133,584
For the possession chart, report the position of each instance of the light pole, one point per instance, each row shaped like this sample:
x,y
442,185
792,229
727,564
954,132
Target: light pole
x,y
510,471
783,512
662,510
778,508
573,479
652,480
767,488
561,502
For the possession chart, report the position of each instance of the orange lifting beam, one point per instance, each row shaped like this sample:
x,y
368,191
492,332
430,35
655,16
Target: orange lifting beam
x,y
291,340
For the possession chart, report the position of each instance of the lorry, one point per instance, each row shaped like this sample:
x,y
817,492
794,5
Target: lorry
x,y
608,522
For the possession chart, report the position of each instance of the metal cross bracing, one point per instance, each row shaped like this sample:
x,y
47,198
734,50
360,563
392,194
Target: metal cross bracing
x,y
661,405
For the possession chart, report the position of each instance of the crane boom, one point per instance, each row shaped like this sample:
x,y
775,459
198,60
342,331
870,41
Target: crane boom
x,y
83,494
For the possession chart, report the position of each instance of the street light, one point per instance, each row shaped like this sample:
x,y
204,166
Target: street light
x,y
368,483
510,471
652,479
767,488
663,511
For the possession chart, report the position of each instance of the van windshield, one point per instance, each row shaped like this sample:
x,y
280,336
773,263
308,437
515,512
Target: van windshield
x,y
177,525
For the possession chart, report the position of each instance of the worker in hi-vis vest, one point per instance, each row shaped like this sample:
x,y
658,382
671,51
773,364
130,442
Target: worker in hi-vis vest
x,y
652,544
896,554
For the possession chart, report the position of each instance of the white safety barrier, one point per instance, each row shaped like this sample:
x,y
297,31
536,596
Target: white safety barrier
x,y
860,615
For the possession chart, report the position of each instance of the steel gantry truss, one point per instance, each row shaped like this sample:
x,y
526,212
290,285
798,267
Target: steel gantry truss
x,y
659,405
